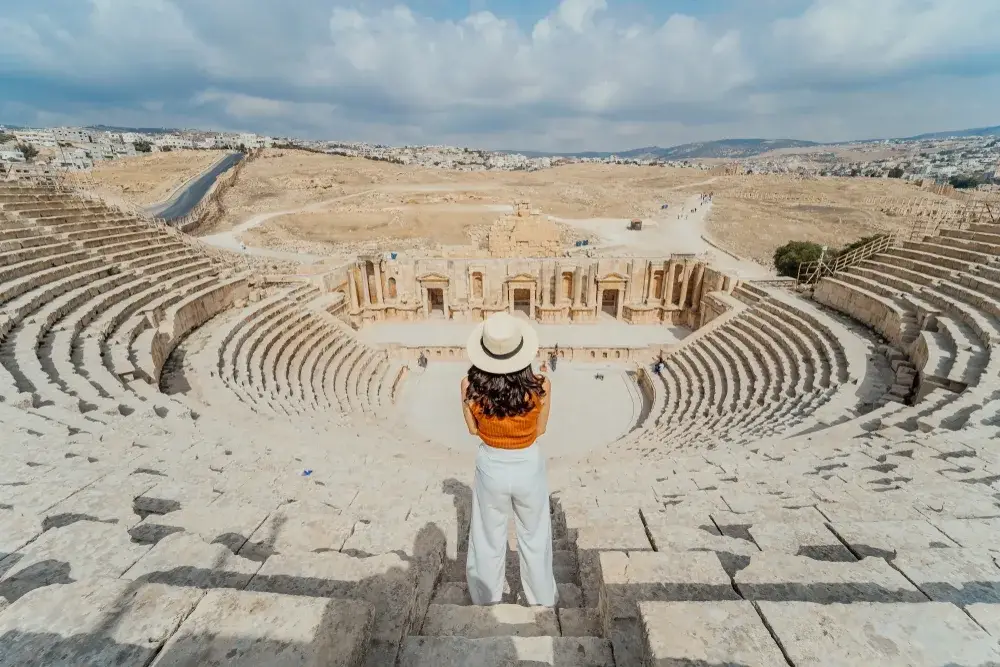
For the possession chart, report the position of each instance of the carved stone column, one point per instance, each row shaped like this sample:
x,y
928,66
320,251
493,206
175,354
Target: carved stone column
x,y
378,282
577,286
668,289
364,284
684,285
352,287
545,285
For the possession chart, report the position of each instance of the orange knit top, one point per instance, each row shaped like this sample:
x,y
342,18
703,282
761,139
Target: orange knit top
x,y
508,432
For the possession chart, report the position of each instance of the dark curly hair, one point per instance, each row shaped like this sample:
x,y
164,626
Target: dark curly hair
x,y
507,395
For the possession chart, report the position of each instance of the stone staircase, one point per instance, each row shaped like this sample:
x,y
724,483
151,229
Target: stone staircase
x,y
456,633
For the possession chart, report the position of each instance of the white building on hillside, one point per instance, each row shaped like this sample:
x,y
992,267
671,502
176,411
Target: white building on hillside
x,y
10,153
71,134
37,138
173,141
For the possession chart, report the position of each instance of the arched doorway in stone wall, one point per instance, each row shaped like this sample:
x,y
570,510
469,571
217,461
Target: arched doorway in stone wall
x,y
522,300
609,302
435,299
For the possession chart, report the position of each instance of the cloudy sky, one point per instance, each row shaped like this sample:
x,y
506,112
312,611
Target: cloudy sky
x,y
518,74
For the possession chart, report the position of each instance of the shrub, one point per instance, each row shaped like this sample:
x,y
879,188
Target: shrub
x,y
788,257
28,151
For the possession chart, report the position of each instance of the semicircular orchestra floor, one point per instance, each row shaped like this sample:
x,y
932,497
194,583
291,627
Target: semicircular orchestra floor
x,y
587,411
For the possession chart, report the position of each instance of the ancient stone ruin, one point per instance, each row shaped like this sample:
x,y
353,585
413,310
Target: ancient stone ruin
x,y
201,464
524,233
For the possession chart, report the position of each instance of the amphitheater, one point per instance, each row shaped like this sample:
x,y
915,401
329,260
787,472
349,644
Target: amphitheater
x,y
205,464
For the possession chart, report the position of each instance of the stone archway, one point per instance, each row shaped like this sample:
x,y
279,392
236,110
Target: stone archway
x,y
609,302
522,300
522,291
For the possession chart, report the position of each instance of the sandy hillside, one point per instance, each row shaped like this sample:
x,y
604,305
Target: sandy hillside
x,y
753,216
146,179
367,200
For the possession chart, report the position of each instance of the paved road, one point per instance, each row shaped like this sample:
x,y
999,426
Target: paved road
x,y
188,196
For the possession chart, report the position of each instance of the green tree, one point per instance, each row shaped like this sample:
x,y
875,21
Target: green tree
x,y
28,151
165,149
788,257
4,137
142,146
964,181
896,172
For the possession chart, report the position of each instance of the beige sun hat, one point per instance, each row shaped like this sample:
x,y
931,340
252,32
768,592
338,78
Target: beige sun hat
x,y
502,344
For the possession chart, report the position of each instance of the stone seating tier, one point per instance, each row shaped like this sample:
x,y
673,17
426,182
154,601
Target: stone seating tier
x,y
735,526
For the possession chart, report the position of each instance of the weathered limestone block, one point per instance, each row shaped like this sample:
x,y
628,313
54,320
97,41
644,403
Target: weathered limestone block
x,y
387,582
800,539
972,533
171,495
38,496
961,576
16,530
704,633
182,559
293,529
98,503
778,576
888,538
869,633
230,525
733,553
628,578
738,525
243,628
625,533
580,622
506,652
85,549
93,622
502,620
986,615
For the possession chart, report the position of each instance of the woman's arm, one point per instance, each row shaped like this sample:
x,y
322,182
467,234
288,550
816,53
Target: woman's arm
x,y
543,415
470,419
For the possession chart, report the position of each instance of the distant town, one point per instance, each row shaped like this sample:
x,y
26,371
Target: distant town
x,y
962,161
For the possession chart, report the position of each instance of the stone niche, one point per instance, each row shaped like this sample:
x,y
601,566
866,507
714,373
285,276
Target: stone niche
x,y
668,290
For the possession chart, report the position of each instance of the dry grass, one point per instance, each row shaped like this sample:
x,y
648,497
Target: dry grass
x,y
830,211
146,179
435,206
355,203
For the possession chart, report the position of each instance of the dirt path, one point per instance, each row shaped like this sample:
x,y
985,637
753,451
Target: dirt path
x,y
230,240
682,229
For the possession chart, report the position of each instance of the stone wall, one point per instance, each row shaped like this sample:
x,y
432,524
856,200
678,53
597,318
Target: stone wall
x,y
185,316
559,290
602,355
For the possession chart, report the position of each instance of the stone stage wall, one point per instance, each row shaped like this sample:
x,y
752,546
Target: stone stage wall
x,y
457,353
669,290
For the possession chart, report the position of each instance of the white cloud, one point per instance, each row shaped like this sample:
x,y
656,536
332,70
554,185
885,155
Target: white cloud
x,y
580,77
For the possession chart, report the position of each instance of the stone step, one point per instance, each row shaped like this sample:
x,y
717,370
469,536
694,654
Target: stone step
x,y
131,623
457,593
788,578
502,620
564,564
506,652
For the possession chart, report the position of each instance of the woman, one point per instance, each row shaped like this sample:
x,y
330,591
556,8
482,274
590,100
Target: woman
x,y
507,407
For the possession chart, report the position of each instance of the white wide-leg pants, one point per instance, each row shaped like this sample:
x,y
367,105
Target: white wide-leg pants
x,y
506,478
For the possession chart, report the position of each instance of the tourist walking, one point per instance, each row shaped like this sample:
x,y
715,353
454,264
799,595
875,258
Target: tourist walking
x,y
506,405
